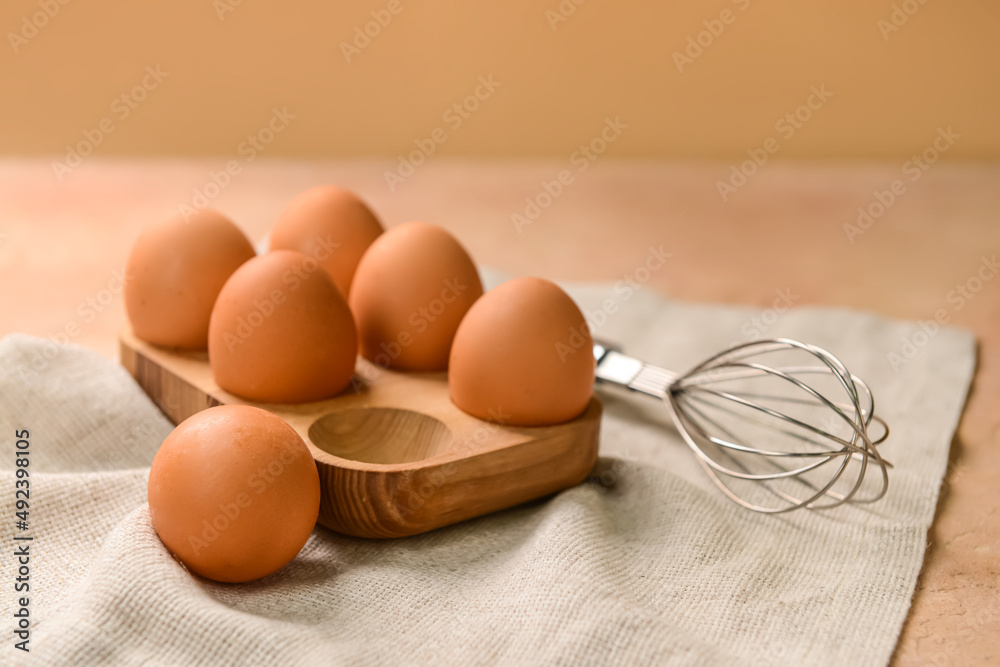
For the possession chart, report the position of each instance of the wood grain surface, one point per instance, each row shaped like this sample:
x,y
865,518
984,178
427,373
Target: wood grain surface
x,y
62,242
395,456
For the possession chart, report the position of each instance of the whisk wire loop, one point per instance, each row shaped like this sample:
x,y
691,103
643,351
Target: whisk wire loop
x,y
711,402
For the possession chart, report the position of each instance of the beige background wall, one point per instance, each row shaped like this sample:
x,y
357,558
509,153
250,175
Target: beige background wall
x,y
226,70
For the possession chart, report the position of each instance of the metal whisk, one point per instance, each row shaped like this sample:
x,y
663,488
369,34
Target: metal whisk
x,y
768,439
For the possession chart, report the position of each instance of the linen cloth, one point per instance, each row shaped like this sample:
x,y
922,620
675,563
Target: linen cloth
x,y
648,565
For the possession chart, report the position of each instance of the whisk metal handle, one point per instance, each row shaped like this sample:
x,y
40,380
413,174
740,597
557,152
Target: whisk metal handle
x,y
616,368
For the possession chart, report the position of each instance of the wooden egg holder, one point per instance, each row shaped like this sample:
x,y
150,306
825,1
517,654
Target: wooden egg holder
x,y
395,456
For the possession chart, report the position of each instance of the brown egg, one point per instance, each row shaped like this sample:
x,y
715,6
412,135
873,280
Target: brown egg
x,y
410,291
331,224
234,493
174,273
523,355
281,332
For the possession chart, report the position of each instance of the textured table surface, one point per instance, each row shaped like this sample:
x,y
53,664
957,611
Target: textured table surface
x,y
779,238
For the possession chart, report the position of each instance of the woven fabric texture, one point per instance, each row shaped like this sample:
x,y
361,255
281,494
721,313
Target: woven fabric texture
x,y
649,564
